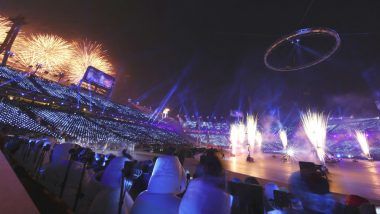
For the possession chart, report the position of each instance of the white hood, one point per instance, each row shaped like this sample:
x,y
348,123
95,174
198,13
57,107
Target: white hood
x,y
112,174
168,176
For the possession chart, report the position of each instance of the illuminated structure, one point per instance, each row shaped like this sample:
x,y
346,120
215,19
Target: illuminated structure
x,y
165,112
97,81
294,40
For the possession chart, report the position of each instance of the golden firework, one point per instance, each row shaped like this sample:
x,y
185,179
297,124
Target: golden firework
x,y
4,28
49,53
87,53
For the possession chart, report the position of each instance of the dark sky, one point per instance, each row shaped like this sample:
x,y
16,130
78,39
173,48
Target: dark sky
x,y
214,50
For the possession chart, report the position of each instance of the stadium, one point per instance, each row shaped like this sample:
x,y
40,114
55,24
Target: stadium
x,y
67,145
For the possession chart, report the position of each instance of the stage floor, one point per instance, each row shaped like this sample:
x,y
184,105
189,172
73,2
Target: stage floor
x,y
346,177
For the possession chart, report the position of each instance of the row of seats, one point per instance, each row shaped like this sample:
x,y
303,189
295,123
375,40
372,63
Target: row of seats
x,y
22,79
141,133
122,185
16,118
67,171
77,126
19,78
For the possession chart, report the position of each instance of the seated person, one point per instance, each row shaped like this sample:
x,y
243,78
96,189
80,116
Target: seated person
x,y
210,168
205,194
314,192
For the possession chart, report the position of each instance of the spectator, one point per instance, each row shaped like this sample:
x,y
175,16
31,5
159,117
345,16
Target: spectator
x,y
313,191
210,168
205,194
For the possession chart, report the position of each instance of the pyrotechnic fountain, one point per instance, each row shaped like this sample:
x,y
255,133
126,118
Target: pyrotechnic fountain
x,y
251,132
315,127
284,141
259,140
362,140
234,137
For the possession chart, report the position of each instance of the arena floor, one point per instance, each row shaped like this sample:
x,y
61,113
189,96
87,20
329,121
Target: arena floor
x,y
346,177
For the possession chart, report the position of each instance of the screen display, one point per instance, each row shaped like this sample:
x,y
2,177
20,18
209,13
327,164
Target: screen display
x,y
97,77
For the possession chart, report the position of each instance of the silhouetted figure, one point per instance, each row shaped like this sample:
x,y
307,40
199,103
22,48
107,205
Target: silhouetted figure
x,y
3,137
314,192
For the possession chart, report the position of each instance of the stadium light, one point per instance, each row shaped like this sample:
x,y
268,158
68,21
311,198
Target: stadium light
x,y
165,112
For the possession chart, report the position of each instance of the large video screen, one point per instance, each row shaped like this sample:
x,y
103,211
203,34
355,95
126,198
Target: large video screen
x,y
97,77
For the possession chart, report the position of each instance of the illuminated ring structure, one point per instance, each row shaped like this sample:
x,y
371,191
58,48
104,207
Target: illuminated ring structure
x,y
299,34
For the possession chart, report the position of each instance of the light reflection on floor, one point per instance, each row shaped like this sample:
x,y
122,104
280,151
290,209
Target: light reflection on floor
x,y
346,177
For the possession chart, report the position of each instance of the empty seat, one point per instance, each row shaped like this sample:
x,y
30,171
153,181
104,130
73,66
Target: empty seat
x,y
103,196
168,179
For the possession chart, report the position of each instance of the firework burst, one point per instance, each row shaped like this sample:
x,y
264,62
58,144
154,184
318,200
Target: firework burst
x,y
86,54
362,139
4,28
315,126
49,52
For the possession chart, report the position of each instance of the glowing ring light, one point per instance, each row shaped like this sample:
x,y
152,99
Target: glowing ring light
x,y
296,36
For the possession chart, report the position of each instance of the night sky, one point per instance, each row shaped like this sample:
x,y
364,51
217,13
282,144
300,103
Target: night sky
x,y
214,51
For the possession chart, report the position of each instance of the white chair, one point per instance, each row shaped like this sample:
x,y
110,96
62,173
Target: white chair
x,y
168,179
103,196
202,197
52,174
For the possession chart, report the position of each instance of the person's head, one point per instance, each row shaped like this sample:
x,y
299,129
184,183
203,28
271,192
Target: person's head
x,y
212,166
316,183
251,180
